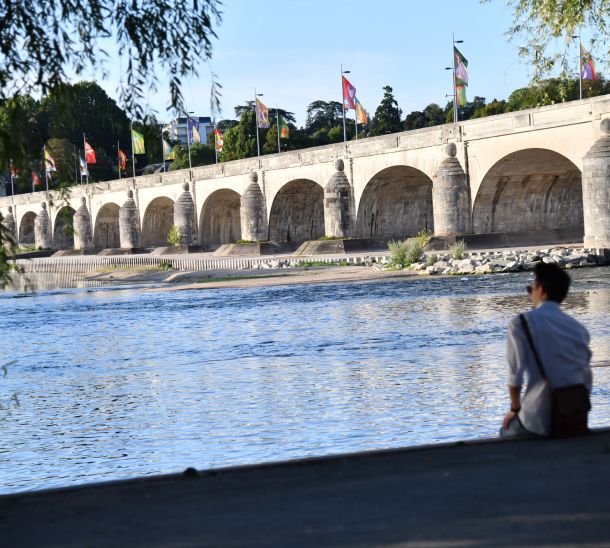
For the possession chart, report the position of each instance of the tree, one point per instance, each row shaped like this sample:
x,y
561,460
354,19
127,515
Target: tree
x,y
387,115
64,154
548,28
201,155
270,144
240,141
323,115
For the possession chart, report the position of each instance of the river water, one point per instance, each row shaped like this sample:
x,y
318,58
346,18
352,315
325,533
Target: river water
x,y
122,382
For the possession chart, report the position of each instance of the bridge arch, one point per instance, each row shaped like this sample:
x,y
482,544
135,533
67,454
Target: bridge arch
x,y
106,233
63,228
297,212
530,190
158,221
220,221
26,228
395,203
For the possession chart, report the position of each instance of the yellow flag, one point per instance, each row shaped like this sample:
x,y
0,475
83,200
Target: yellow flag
x,y
138,142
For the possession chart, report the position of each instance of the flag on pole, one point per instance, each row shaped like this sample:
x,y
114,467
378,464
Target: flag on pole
x,y
361,116
461,68
168,151
122,159
35,178
83,167
14,171
138,142
49,162
193,129
587,67
218,140
262,115
89,154
349,94
284,129
460,91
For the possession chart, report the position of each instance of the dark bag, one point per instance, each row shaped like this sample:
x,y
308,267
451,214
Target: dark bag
x,y
570,405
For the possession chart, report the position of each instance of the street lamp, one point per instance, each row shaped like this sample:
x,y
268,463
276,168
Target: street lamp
x,y
343,101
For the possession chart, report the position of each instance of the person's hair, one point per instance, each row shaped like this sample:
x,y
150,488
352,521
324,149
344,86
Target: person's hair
x,y
553,279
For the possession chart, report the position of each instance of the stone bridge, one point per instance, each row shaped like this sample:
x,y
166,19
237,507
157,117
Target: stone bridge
x,y
536,170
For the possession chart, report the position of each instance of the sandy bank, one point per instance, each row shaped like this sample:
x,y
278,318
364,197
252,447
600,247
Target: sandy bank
x,y
215,279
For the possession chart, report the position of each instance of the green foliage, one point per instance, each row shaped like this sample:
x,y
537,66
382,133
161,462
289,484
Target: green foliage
x,y
398,253
201,155
240,242
173,237
323,115
387,116
322,263
457,250
431,259
335,135
240,141
165,265
548,31
413,251
423,237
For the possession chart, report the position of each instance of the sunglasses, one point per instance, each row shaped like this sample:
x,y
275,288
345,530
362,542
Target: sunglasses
x,y
529,289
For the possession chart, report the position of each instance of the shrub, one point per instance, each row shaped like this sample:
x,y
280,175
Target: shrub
x,y
457,249
173,238
423,237
165,266
431,260
413,252
398,251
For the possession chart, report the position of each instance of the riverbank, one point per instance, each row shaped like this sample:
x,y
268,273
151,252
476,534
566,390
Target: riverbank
x,y
461,494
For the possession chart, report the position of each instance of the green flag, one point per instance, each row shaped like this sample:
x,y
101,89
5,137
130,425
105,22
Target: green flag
x,y
138,142
168,151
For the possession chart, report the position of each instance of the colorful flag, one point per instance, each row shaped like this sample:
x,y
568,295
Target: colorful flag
x,y
193,130
218,140
361,116
83,167
137,140
168,151
49,162
460,91
35,178
284,129
461,68
349,94
122,159
587,68
89,154
262,115
14,171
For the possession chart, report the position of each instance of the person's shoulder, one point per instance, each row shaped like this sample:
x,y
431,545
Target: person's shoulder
x,y
514,323
575,324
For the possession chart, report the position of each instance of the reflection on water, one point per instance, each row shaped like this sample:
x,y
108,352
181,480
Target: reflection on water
x,y
117,382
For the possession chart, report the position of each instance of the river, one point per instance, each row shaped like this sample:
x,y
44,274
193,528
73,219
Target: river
x,y
122,382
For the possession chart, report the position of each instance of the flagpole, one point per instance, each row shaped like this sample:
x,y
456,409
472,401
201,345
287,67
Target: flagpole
x,y
343,105
80,169
44,162
277,121
12,180
163,148
455,105
258,144
133,155
215,137
579,65
75,165
188,141
118,157
86,164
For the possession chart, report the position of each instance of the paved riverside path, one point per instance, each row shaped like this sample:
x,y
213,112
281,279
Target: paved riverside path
x,y
543,492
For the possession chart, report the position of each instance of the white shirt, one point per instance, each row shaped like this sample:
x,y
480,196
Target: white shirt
x,y
563,347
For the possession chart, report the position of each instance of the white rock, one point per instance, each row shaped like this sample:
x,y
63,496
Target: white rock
x,y
548,260
431,270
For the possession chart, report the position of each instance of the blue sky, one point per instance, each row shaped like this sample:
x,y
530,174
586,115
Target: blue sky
x,y
291,51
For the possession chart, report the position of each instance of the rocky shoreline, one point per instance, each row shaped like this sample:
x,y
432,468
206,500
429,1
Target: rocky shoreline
x,y
505,261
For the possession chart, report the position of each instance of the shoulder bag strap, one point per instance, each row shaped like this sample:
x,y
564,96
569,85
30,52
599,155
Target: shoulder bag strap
x,y
532,346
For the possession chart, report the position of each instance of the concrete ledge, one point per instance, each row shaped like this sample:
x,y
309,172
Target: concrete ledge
x,y
111,252
461,494
176,250
74,252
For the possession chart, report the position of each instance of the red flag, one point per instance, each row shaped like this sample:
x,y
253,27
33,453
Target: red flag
x,y
122,159
349,94
35,178
89,154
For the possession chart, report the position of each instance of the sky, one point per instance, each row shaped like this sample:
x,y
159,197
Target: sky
x,y
292,51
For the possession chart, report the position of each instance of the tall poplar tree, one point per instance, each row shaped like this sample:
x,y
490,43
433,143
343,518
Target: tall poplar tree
x,y
387,116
